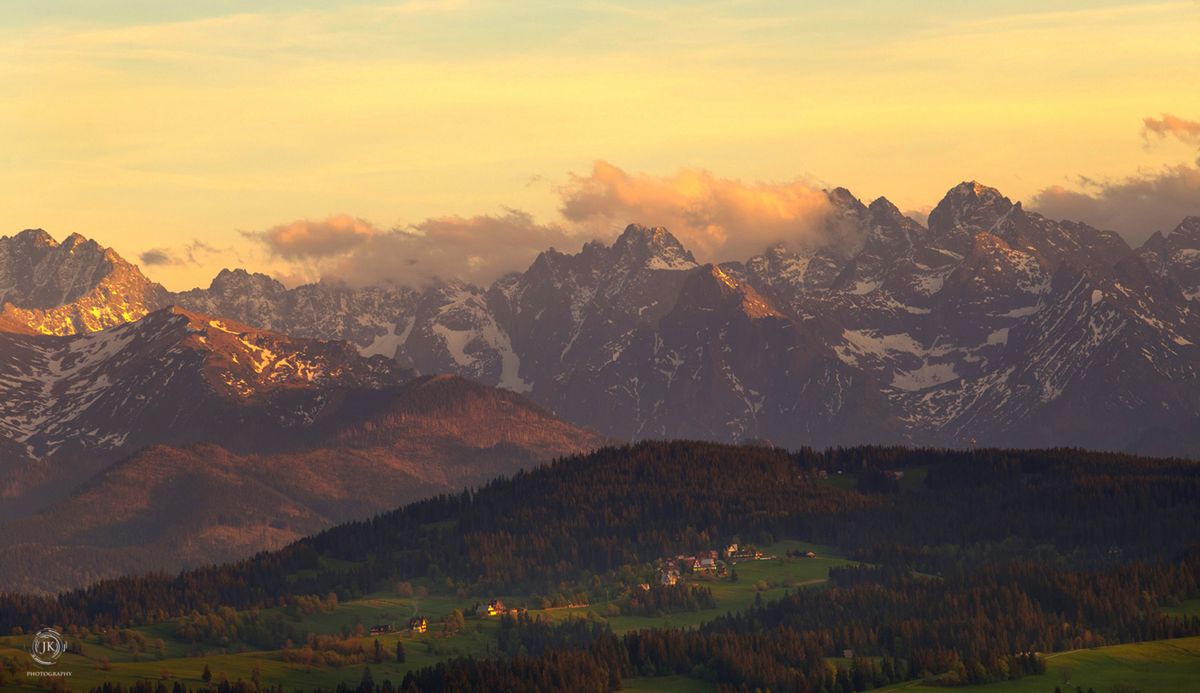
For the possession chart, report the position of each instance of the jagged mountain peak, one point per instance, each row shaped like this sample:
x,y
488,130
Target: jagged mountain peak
x,y
712,288
966,209
971,196
654,247
972,189
885,215
72,287
895,303
239,276
643,235
844,199
1188,229
33,236
77,239
881,205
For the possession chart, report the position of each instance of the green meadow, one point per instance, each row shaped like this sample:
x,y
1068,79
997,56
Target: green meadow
x,y
180,662
1167,666
1160,666
770,578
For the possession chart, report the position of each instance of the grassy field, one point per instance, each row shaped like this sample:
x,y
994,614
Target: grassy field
x,y
913,479
779,575
1161,666
1166,666
478,637
421,650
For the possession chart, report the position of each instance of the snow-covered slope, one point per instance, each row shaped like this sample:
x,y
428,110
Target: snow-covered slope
x,y
173,376
993,324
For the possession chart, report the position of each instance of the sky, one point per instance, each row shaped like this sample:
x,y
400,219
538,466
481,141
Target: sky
x,y
394,142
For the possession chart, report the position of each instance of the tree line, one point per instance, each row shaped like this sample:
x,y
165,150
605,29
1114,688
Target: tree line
x,y
592,515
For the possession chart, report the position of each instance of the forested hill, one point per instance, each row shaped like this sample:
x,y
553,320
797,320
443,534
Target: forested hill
x,y
586,515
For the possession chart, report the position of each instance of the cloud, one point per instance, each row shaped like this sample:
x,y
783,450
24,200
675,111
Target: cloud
x,y
198,251
477,249
1187,131
194,253
1136,206
306,239
717,218
158,256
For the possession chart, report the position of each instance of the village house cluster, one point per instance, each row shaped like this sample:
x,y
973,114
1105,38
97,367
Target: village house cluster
x,y
708,564
496,607
420,624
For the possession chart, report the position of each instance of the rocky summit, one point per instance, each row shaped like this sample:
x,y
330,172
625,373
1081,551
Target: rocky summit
x,y
992,325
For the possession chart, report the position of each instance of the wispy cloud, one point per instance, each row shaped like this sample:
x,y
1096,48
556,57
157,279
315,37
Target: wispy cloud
x,y
198,124
1168,125
1076,16
1139,204
196,253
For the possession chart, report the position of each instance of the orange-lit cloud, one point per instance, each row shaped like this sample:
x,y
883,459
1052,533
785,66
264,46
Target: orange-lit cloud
x,y
716,218
477,249
1135,206
249,117
1172,126
316,239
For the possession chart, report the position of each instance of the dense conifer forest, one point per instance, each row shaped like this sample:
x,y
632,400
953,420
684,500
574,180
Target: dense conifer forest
x,y
973,562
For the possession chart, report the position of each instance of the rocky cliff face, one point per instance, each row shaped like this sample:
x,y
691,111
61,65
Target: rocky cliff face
x,y
70,288
993,324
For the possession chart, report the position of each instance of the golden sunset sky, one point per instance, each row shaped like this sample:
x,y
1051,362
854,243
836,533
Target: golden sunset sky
x,y
204,132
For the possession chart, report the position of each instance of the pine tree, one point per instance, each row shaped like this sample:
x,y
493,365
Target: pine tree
x,y
399,652
207,675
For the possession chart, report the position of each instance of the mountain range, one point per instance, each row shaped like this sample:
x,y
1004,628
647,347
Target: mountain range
x,y
169,506
182,439
989,325
144,428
